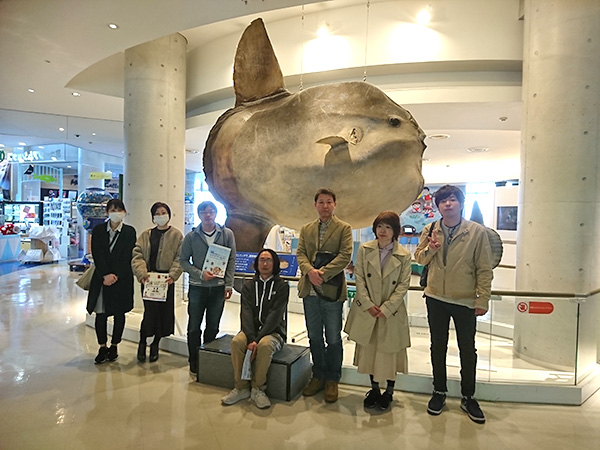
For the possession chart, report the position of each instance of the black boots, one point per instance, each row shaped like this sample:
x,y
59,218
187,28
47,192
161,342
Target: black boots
x,y
154,350
141,354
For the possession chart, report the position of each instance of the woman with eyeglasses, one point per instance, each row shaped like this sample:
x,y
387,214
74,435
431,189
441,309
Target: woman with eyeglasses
x,y
378,321
157,250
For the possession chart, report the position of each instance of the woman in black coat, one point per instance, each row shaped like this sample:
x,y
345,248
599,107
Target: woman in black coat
x,y
111,290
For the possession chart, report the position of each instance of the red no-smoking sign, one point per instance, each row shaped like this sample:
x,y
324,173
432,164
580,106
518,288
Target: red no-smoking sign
x,y
535,307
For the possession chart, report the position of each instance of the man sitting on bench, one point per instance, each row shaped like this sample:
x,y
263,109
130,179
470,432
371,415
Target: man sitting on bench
x,y
264,325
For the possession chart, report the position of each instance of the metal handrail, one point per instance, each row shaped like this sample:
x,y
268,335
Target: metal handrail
x,y
494,292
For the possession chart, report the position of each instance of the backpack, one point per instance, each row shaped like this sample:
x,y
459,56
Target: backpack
x,y
496,246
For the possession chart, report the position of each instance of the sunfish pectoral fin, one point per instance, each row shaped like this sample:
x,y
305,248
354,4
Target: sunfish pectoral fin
x,y
333,141
256,71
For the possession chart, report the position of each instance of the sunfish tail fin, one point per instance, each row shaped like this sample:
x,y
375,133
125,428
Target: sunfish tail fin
x,y
256,71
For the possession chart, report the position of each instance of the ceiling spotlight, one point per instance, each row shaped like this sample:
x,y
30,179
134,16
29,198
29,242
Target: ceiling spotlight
x,y
22,143
438,136
31,90
93,134
61,129
503,119
68,167
76,94
323,31
477,149
41,146
113,26
424,16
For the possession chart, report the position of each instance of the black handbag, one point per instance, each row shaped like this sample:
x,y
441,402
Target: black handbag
x,y
331,289
425,272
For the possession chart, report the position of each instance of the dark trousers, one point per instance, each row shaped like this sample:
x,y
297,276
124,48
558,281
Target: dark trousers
x,y
201,299
438,316
119,326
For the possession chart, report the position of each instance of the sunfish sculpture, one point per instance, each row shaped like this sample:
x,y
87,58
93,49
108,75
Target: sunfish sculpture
x,y
265,158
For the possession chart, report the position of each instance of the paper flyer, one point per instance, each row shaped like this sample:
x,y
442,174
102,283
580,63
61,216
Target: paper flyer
x,y
247,367
155,289
216,260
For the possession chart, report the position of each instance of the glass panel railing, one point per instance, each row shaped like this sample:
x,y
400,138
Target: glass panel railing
x,y
525,338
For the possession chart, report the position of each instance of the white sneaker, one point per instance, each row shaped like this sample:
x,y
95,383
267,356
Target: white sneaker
x,y
235,396
259,398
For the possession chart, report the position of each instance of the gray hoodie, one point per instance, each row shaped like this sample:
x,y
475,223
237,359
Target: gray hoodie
x,y
194,249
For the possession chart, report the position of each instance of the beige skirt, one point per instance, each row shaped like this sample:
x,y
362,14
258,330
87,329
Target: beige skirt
x,y
383,366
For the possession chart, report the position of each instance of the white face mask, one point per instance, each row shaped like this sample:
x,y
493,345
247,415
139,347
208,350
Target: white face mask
x,y
161,220
116,217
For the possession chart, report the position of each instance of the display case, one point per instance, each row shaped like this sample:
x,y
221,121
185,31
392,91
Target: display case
x,y
58,213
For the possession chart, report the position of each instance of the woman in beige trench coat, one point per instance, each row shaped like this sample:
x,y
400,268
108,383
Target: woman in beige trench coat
x,y
378,321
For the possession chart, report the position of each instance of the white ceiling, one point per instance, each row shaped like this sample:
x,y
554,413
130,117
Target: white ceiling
x,y
45,44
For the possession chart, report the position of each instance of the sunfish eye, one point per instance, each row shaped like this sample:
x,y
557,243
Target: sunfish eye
x,y
394,121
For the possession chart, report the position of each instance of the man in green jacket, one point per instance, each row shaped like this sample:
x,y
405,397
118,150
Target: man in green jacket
x,y
323,313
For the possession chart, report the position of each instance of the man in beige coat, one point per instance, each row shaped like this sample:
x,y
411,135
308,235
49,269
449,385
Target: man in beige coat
x,y
459,281
322,313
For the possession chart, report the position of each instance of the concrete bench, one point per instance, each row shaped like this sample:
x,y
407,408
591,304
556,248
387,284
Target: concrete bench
x,y
289,372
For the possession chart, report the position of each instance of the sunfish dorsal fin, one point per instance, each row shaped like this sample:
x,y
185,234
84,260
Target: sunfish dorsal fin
x,y
256,71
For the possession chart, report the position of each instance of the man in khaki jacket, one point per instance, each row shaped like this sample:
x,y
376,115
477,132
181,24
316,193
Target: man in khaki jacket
x,y
459,281
323,314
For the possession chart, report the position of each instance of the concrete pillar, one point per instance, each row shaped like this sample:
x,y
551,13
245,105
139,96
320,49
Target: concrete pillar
x,y
154,122
559,211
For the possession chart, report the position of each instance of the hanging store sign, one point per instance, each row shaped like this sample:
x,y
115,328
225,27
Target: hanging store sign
x,y
100,175
535,307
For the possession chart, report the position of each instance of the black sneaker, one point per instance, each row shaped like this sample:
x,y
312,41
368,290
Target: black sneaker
x,y
436,404
471,407
372,398
384,401
102,356
112,353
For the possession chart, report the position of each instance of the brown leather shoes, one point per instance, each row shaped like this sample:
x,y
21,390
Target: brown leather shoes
x,y
314,385
331,391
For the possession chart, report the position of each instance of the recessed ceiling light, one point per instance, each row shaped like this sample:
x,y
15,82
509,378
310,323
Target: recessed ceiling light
x,y
438,136
68,167
113,26
502,119
22,143
76,94
31,90
61,129
53,158
1,145
41,146
477,149
93,134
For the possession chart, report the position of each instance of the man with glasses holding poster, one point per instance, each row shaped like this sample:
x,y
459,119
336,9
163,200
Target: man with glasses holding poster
x,y
207,291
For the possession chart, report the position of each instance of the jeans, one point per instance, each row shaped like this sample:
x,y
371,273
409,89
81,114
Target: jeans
x,y
101,325
201,299
324,325
438,315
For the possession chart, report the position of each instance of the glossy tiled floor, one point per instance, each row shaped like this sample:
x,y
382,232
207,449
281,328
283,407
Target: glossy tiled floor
x,y
52,396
